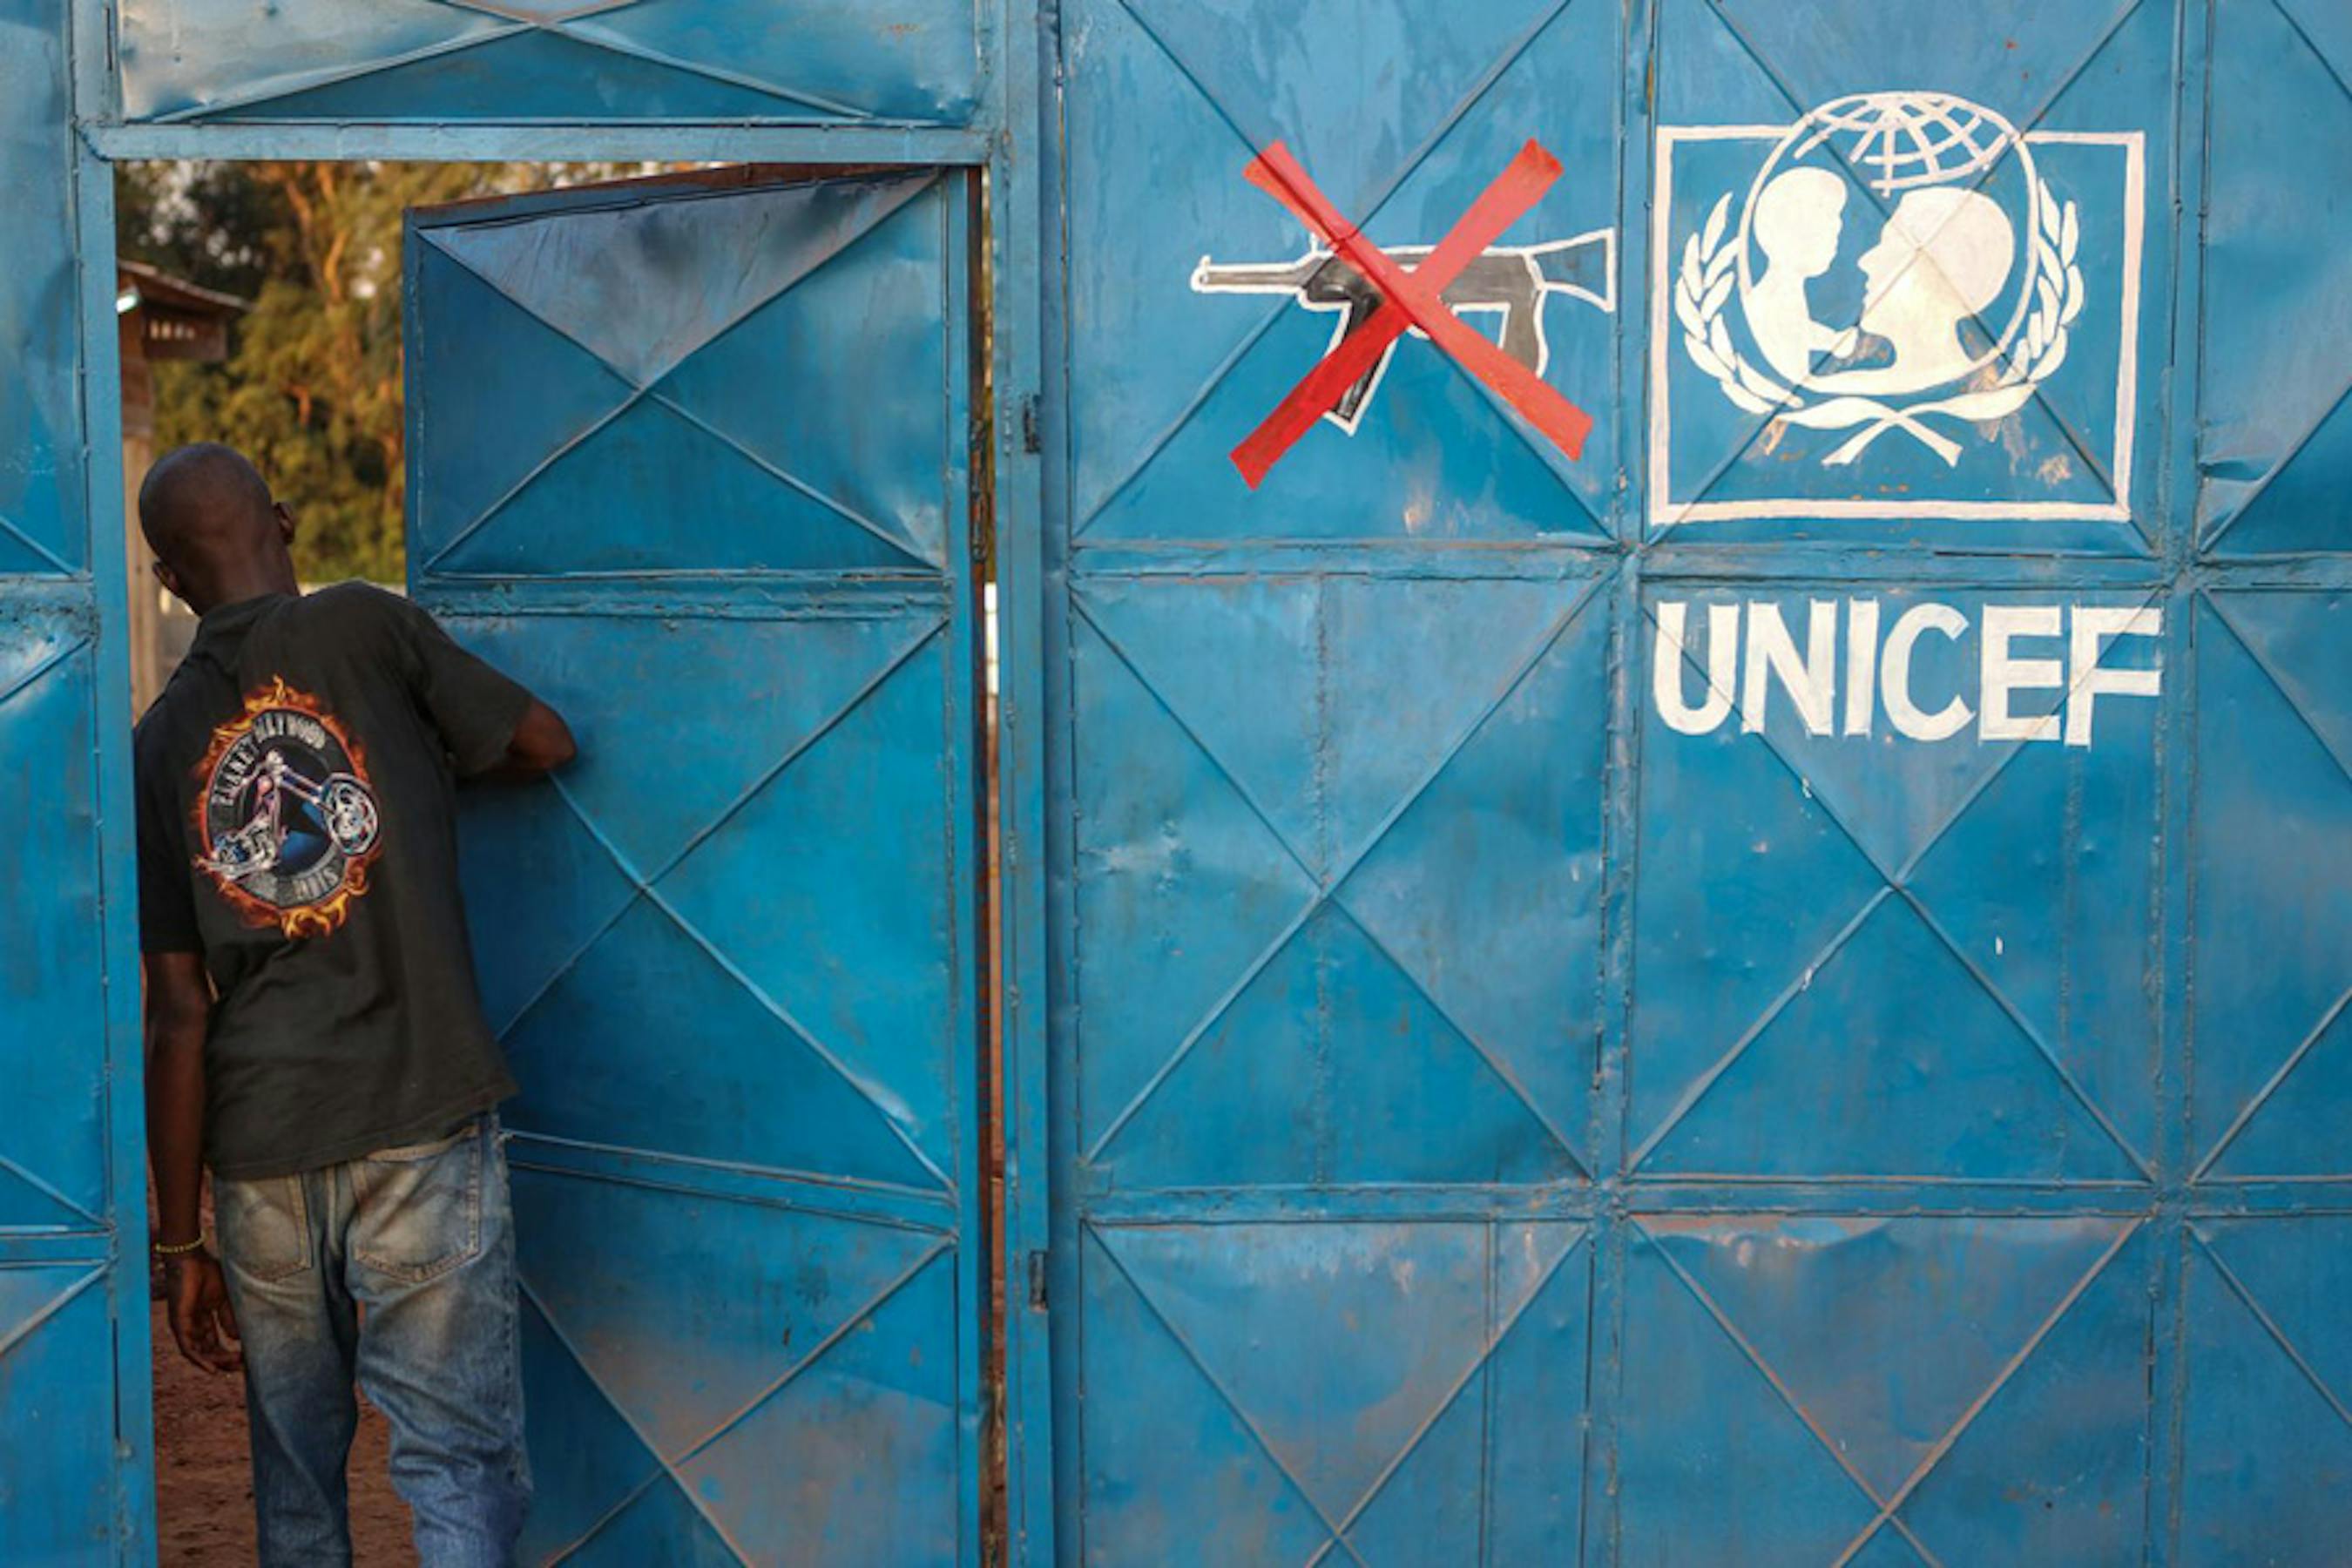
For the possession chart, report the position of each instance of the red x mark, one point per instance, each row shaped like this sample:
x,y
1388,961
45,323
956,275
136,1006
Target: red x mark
x,y
1409,299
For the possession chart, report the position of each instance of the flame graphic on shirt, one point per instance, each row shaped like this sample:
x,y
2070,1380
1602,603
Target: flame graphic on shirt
x,y
321,916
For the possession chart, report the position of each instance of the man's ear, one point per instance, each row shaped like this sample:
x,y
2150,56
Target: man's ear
x,y
285,522
169,579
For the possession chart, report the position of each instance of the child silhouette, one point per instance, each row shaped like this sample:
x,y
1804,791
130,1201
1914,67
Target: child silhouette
x,y
1798,218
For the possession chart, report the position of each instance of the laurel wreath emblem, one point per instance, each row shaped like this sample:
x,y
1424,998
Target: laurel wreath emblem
x,y
1704,286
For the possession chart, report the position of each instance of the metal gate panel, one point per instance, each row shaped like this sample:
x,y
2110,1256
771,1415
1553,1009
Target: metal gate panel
x,y
2265,1440
911,62
692,464
1337,816
2273,426
73,1316
1838,921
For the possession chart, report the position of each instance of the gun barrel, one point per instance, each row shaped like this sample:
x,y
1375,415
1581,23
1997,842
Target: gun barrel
x,y
1283,278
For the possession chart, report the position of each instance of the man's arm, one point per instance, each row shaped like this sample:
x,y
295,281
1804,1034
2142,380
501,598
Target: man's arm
x,y
492,726
179,1010
542,743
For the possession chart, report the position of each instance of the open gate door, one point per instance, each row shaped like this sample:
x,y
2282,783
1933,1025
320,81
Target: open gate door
x,y
693,462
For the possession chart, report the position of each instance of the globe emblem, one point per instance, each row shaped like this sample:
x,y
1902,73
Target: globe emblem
x,y
1901,140
1931,171
1893,247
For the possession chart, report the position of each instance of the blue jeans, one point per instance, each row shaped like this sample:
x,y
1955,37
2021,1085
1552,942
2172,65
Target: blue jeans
x,y
397,1270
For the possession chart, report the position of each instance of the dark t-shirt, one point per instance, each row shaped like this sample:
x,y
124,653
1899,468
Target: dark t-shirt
x,y
295,827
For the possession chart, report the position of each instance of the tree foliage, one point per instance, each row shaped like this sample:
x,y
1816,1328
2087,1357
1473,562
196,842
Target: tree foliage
x,y
311,390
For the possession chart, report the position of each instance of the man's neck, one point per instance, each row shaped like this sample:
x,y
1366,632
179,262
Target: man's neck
x,y
238,587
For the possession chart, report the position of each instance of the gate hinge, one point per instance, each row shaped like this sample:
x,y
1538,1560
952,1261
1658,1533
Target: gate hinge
x,y
1031,442
1037,1281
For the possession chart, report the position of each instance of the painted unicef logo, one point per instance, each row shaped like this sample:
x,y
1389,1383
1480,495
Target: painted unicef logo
x,y
1894,285
285,814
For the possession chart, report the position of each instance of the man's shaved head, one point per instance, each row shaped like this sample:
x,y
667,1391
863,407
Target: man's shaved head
x,y
216,534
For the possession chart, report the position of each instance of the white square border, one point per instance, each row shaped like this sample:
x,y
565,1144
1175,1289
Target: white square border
x,y
1662,513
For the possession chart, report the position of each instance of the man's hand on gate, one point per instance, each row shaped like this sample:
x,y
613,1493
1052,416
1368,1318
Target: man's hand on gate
x,y
198,1299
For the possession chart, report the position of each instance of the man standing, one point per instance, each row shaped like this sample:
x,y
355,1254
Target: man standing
x,y
313,1032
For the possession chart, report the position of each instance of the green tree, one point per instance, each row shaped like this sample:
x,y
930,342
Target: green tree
x,y
311,390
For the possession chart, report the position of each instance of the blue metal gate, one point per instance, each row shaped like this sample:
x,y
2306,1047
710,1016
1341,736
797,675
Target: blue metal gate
x,y
1771,991
692,463
784,1247
73,1321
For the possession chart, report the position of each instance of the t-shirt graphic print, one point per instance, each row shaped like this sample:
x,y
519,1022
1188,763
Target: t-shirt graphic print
x,y
285,819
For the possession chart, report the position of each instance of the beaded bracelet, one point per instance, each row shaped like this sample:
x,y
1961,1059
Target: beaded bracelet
x,y
179,1250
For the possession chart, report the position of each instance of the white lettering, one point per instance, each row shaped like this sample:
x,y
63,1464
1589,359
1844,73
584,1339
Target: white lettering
x,y
2087,680
1772,652
1743,661
1861,663
1895,674
2003,675
1666,666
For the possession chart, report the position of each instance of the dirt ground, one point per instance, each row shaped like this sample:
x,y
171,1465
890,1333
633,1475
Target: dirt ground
x,y
204,1485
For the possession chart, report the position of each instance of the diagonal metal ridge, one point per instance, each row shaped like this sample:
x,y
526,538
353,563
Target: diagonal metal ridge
x,y
1896,880
2278,680
11,1167
890,667
629,48
1495,1339
49,1309
56,561
1700,1086
1080,601
519,22
2033,1037
2262,1097
899,198
1494,1063
671,1467
1226,1396
2334,402
855,1320
1892,875
338,77
1381,195
2270,1326
840,509
570,445
806,1036
2009,1369
640,882
48,662
1327,885
1938,831
1788,1396
662,1469
1542,450
512,11
2025,127
2286,461
2312,43
899,189
759,995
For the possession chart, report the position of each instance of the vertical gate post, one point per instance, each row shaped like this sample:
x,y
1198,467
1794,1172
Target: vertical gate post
x,y
1027,420
73,1287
